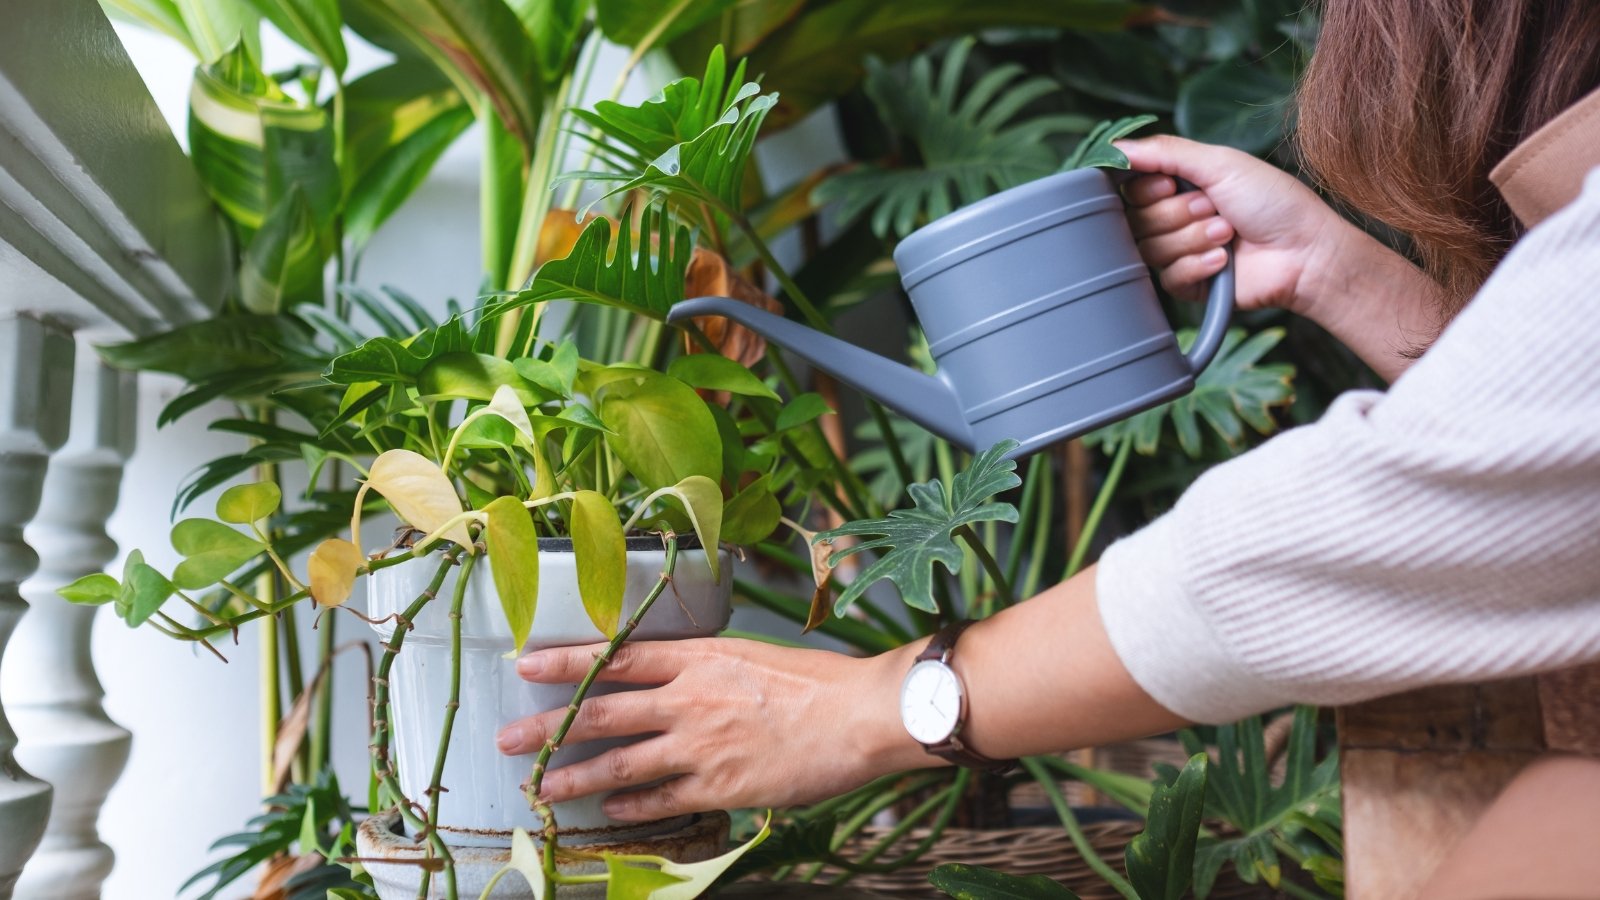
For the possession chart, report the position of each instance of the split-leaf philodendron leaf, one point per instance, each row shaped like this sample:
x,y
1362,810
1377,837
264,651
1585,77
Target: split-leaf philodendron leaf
x,y
918,538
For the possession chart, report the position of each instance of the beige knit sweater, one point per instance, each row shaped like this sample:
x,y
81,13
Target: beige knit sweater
x,y
1447,530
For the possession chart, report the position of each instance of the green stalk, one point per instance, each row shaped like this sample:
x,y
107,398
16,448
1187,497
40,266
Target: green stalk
x,y
857,634
951,797
551,745
1101,501
990,565
862,816
289,638
1041,534
382,768
435,790
1026,517
1069,821
322,731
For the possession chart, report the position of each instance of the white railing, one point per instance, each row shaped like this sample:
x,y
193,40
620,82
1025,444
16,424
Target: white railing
x,y
104,232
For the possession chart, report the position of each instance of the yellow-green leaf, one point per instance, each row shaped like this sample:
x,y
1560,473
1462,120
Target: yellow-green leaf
x,y
752,514
507,405
525,859
212,551
662,430
246,503
514,561
420,493
703,500
91,590
634,882
332,569
697,877
601,554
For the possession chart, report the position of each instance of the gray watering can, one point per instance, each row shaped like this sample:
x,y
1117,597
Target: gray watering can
x,y
1038,310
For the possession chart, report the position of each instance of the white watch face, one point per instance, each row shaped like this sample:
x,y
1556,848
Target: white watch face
x,y
930,701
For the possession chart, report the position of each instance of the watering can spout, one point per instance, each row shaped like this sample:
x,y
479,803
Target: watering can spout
x,y
924,399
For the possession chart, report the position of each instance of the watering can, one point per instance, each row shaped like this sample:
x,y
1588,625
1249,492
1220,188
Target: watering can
x,y
1039,312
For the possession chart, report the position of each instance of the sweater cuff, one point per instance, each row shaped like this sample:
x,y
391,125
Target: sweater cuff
x,y
1163,636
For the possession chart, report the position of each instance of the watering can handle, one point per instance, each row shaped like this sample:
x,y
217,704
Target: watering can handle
x,y
1219,306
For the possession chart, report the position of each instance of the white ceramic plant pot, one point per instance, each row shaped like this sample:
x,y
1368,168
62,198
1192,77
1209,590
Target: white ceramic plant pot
x,y
484,799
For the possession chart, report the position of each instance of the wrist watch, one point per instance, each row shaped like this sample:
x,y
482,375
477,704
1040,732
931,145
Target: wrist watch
x,y
933,704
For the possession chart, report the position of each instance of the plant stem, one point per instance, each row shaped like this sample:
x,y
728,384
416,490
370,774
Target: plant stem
x,y
289,638
857,634
382,769
1001,583
322,733
951,798
1027,522
1101,501
541,764
1070,823
435,789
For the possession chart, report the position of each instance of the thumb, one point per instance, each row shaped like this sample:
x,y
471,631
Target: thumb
x,y
1204,165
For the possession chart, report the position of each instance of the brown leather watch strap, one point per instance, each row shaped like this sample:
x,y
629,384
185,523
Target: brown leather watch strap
x,y
952,748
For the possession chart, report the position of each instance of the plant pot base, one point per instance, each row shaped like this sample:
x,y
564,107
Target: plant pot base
x,y
380,840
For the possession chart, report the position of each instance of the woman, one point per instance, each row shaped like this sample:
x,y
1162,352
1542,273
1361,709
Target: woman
x,y
1446,531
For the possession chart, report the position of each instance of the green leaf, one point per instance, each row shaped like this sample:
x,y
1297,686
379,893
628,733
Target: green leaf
x,y
1232,395
91,590
313,24
660,429
283,263
642,274
212,551
514,561
475,376
629,22
398,121
699,876
752,515
143,591
634,882
916,539
214,26
979,883
212,347
384,360
801,840
480,45
556,27
815,57
246,503
1160,859
681,112
158,15
702,499
711,372
557,374
970,144
800,411
1240,105
1123,67
601,554
1096,150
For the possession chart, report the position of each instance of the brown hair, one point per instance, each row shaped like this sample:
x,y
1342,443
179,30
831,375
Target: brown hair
x,y
1407,105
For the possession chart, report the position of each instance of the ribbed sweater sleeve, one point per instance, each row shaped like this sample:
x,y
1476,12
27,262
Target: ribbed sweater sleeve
x,y
1445,531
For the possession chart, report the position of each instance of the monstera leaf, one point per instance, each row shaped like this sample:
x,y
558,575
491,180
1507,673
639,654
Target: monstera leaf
x,y
1095,149
920,537
968,149
1233,394
631,136
1160,859
1240,792
642,273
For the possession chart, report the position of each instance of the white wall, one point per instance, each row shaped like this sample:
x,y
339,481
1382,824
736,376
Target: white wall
x,y
194,774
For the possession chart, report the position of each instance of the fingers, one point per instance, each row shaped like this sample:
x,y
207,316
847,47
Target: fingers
x,y
1194,239
1183,278
1202,164
646,662
674,798
613,770
1169,214
613,715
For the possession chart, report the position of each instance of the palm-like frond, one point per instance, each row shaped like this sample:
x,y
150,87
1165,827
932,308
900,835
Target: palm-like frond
x,y
643,273
969,144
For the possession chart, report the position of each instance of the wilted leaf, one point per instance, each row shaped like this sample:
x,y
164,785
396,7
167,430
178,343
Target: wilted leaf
x,y
709,275
212,551
916,539
418,491
246,503
513,548
332,571
601,554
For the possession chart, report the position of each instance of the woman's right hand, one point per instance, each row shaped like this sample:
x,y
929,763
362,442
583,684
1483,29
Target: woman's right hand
x,y
1287,237
1292,251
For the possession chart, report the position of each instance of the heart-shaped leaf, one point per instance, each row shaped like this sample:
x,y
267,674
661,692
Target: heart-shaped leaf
x,y
601,555
143,591
246,503
91,590
514,562
752,514
525,860
921,537
332,569
711,372
662,430
702,499
418,491
697,877
212,551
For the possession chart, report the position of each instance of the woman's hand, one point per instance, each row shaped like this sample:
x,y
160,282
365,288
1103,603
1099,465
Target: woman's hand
x,y
741,723
1292,251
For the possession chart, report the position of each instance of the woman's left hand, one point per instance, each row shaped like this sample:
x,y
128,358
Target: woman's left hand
x,y
738,722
